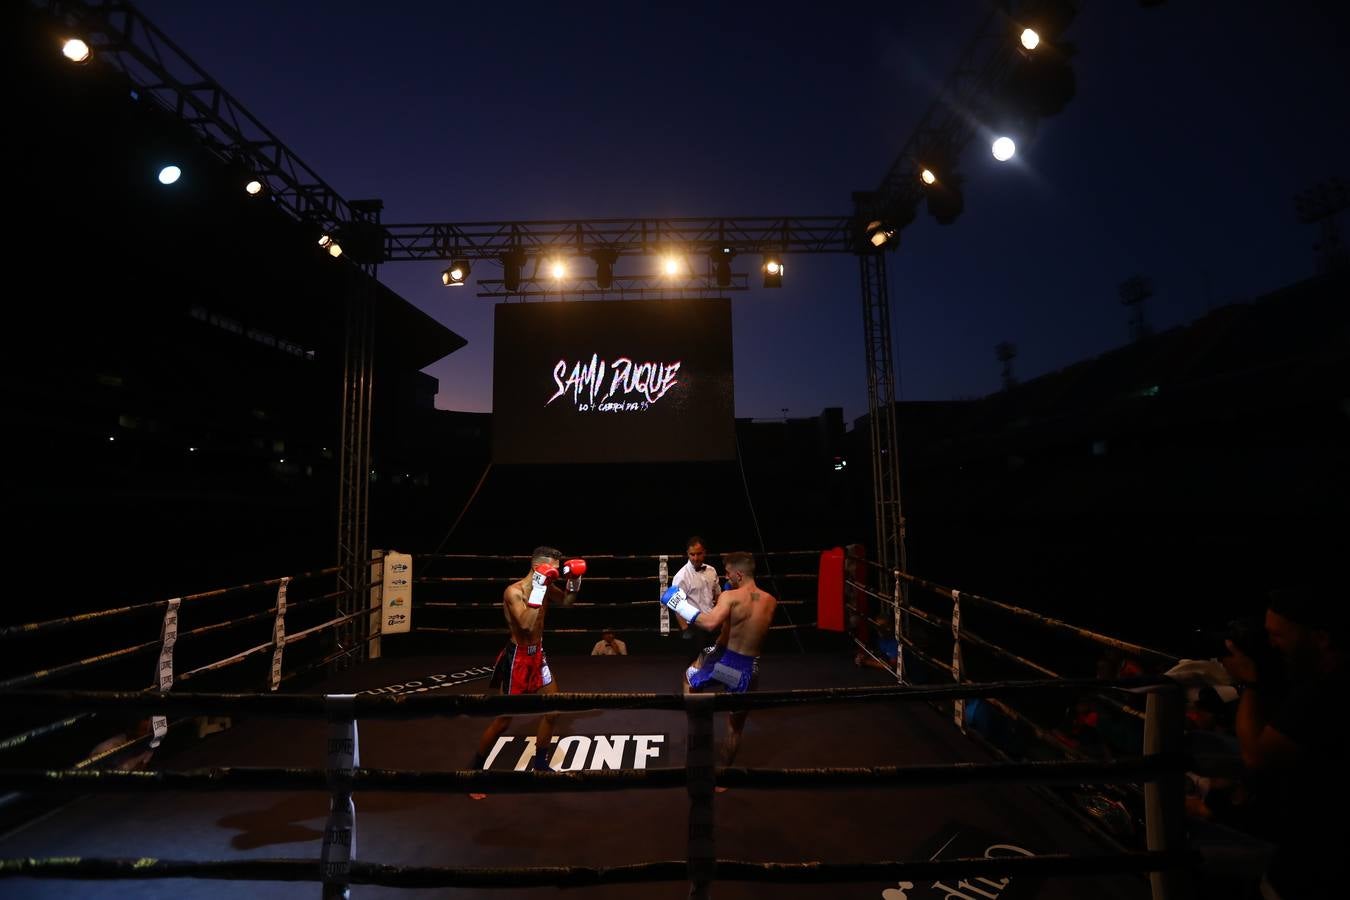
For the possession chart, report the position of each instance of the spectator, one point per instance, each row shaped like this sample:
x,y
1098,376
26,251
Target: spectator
x,y
609,645
884,645
131,758
1303,740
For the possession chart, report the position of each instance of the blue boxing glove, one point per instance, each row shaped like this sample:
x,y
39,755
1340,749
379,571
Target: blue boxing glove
x,y
675,600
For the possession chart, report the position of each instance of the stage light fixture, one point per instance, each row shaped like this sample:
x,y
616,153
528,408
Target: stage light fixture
x,y
329,243
927,176
880,232
170,174
75,50
512,261
721,259
558,269
1004,148
255,187
604,267
456,274
1040,84
773,271
670,265
947,200
1030,39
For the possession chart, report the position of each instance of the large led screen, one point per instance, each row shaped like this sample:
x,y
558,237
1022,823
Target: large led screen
x,y
613,381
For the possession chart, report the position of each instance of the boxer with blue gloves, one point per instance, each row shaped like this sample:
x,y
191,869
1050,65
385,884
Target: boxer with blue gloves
x,y
744,614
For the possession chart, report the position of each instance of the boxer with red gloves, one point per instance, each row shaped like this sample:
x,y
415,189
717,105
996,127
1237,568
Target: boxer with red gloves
x,y
522,667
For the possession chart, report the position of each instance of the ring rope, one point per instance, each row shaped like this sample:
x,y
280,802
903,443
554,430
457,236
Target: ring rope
x,y
967,635
726,870
882,598
1047,621
246,778
868,562
81,618
590,556
89,662
254,651
105,658
1037,731
577,876
332,657
369,706
496,604
18,740
938,622
82,768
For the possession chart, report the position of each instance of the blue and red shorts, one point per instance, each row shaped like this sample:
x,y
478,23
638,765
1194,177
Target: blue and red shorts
x,y
521,669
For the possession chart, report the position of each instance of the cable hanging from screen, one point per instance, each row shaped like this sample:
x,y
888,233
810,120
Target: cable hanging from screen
x,y
763,551
459,518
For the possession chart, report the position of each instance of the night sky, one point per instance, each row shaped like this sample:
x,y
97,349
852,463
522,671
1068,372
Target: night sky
x,y
1194,125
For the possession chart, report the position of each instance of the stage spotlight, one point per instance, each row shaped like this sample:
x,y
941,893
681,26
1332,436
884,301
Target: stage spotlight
x,y
604,267
1004,148
558,269
721,259
170,174
947,200
879,233
1030,39
363,239
255,187
773,271
456,274
329,243
670,265
512,261
1040,84
927,176
76,50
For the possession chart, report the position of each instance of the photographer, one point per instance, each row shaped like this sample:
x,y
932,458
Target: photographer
x,y
1303,741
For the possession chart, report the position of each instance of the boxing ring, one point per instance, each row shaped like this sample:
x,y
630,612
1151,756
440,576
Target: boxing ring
x,y
846,777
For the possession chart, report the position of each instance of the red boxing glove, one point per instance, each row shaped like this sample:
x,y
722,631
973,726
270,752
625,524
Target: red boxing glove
x,y
572,570
539,581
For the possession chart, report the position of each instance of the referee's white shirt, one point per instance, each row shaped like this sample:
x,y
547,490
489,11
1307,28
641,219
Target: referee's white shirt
x,y
701,587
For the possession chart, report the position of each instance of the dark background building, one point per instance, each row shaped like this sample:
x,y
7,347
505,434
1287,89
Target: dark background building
x,y
172,371
1161,486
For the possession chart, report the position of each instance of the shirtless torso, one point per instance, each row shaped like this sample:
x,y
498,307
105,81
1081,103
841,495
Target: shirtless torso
x,y
526,623
749,613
